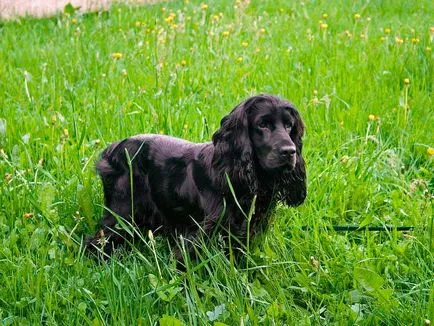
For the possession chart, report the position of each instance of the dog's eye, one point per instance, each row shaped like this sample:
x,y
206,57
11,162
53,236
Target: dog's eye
x,y
288,126
263,124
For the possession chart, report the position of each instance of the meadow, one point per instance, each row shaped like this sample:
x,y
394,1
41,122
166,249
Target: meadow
x,y
360,73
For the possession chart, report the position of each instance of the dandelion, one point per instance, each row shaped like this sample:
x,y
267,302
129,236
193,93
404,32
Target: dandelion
x,y
226,33
428,49
28,215
324,26
163,9
387,30
262,30
430,151
399,40
407,81
74,21
183,63
325,15
371,117
117,55
138,24
363,36
215,18
169,19
124,72
348,34
258,50
431,29
240,59
245,44
415,40
204,6
357,16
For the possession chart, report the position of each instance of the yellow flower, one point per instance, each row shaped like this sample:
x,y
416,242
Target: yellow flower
x,y
387,30
169,19
240,59
245,44
406,81
371,117
163,9
415,40
324,26
428,49
65,132
324,15
399,40
430,151
28,215
117,55
258,50
357,16
431,29
262,30
183,63
74,21
204,6
138,24
226,33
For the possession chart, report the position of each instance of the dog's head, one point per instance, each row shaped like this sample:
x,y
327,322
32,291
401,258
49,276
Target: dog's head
x,y
264,132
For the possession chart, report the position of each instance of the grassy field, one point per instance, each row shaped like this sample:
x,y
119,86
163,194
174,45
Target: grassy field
x,y
361,74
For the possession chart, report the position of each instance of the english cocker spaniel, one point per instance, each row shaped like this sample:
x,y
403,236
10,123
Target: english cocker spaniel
x,y
175,187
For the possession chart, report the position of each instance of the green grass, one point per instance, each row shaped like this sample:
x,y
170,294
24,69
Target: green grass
x,y
65,94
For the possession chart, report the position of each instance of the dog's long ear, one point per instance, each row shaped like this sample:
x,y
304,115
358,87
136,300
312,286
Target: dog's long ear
x,y
292,186
233,152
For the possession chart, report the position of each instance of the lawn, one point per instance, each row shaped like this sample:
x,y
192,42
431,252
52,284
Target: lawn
x,y
361,75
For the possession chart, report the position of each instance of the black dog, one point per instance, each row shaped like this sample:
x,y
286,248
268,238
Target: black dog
x,y
179,187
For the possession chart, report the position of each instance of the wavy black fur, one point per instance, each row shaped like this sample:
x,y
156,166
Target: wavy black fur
x,y
180,186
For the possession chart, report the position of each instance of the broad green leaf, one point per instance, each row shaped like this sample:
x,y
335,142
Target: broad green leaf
x,y
169,321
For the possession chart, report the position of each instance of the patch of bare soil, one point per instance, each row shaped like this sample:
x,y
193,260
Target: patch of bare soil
x,y
40,8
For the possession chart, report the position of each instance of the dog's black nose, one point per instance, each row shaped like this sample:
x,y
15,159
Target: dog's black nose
x,y
287,151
